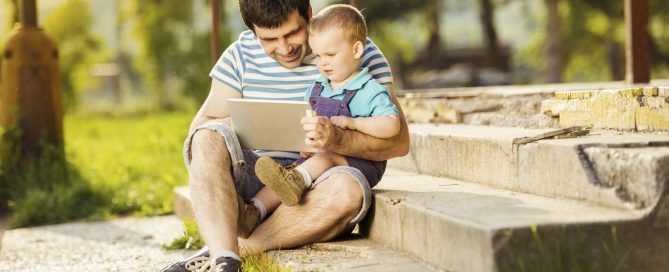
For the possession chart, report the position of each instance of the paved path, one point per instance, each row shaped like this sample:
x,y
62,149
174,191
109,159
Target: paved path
x,y
126,244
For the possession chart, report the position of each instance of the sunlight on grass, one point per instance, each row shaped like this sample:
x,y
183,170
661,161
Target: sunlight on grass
x,y
137,157
113,165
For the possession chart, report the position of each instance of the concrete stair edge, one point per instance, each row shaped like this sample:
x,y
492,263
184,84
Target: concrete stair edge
x,y
458,226
552,168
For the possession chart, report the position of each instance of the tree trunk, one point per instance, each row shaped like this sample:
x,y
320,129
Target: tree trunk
x,y
553,47
616,56
433,8
490,33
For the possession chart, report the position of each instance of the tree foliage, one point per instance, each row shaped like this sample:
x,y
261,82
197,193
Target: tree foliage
x,y
593,43
70,25
171,50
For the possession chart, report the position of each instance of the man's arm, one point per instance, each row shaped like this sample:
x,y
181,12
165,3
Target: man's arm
x,y
322,134
216,105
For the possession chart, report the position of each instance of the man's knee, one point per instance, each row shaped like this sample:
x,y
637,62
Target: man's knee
x,y
209,145
344,197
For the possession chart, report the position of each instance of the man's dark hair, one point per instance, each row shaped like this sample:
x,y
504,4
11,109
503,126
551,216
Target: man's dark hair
x,y
271,13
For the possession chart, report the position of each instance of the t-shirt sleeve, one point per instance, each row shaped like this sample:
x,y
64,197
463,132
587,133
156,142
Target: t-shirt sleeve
x,y
378,65
229,67
381,102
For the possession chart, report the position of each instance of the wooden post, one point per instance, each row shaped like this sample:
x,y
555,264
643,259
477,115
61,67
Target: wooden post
x,y
29,13
637,51
353,3
214,32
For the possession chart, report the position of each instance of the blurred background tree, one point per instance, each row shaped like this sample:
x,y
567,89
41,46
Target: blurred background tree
x,y
78,48
172,56
153,54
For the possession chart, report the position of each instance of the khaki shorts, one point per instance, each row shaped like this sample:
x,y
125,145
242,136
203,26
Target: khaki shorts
x,y
248,184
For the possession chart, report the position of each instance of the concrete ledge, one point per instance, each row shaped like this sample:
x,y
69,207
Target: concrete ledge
x,y
458,226
562,168
183,207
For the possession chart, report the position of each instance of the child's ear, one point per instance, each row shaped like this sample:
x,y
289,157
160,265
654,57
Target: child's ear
x,y
358,48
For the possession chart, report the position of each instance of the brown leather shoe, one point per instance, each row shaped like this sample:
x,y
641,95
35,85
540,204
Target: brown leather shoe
x,y
249,217
287,184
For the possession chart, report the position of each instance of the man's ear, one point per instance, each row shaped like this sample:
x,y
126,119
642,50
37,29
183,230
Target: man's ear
x,y
310,13
358,49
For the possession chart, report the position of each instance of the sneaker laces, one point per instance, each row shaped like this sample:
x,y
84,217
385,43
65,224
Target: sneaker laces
x,y
219,267
198,264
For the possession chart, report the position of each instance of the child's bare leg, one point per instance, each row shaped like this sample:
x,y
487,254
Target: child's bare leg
x,y
289,184
321,162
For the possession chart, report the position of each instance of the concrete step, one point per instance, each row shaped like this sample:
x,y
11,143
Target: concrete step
x,y
615,169
353,253
459,226
350,253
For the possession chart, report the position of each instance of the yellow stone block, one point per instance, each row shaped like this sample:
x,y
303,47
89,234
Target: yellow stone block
x,y
614,110
631,91
570,118
445,113
653,114
573,95
562,95
663,91
650,91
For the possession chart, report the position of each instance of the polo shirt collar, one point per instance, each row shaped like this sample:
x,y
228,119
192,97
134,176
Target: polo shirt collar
x,y
354,84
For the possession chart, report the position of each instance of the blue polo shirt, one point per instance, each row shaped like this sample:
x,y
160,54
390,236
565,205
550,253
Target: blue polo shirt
x,y
372,98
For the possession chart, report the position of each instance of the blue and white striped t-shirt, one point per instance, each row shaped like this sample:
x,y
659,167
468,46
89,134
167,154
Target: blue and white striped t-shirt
x,y
246,68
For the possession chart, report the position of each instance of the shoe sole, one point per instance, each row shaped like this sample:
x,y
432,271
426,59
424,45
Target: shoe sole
x,y
271,176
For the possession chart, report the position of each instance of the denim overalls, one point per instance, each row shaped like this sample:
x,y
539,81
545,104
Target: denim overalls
x,y
373,170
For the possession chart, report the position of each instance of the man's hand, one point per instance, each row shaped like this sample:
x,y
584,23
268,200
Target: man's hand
x,y
320,133
344,122
306,154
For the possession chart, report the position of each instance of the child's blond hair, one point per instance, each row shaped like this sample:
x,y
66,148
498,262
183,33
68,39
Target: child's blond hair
x,y
345,17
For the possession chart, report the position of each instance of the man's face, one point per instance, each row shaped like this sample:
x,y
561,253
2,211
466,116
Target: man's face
x,y
287,44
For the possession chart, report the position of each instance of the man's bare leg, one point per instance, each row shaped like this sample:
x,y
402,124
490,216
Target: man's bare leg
x,y
213,192
321,216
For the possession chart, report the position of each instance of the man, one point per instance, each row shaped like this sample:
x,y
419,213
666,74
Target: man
x,y
272,61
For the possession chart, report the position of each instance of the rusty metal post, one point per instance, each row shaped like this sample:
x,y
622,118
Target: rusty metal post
x,y
637,48
214,32
31,99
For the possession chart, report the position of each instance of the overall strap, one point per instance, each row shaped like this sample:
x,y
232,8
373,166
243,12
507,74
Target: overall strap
x,y
315,92
348,95
317,89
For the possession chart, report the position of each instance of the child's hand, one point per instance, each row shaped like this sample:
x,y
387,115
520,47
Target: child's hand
x,y
344,122
306,154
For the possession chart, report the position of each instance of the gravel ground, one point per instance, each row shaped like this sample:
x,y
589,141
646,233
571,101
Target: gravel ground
x,y
127,244
135,244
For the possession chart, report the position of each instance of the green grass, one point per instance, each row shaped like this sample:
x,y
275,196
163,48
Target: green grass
x,y
113,165
192,240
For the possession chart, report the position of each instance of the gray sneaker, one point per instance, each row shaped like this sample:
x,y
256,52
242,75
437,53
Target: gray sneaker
x,y
225,264
191,264
287,183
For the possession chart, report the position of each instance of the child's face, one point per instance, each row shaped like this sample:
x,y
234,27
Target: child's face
x,y
337,58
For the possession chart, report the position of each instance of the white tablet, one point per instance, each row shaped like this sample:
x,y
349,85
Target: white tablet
x,y
269,124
